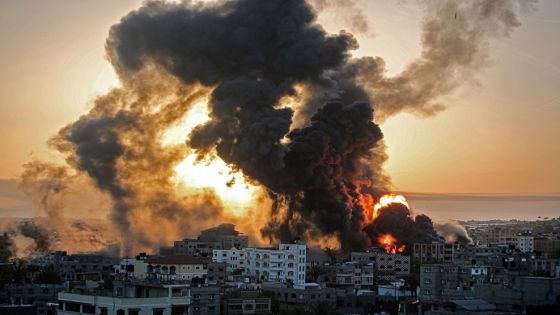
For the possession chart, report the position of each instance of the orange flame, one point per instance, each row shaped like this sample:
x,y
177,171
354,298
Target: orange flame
x,y
389,242
387,200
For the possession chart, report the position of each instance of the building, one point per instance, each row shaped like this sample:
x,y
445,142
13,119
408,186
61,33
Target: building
x,y
76,267
544,266
217,273
169,268
285,264
354,276
124,269
362,257
301,295
433,253
38,295
386,266
246,302
205,300
223,236
525,243
392,266
548,247
130,299
509,292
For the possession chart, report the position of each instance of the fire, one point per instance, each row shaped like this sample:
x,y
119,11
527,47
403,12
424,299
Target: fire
x,y
389,242
191,175
387,200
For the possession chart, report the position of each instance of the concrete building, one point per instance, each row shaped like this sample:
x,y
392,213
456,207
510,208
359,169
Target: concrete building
x,y
509,292
124,269
38,295
544,266
285,264
433,253
362,257
354,276
525,243
246,302
177,267
548,247
130,299
223,236
302,295
392,266
217,273
205,300
80,266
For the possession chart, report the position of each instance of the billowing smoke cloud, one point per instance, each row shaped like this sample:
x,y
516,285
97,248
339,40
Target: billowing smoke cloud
x,y
455,39
398,221
288,107
347,10
453,232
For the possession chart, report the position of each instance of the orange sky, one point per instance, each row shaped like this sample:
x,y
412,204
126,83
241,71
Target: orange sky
x,y
499,135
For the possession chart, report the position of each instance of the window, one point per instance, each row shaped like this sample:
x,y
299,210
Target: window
x,y
133,311
157,311
88,309
73,307
178,310
103,311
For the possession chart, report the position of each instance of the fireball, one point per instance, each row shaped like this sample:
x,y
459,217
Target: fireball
x,y
387,200
389,242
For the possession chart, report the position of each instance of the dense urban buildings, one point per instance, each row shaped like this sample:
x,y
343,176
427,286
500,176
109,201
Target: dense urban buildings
x,y
511,268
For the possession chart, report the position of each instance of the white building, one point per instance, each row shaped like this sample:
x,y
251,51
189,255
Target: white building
x,y
525,243
133,300
170,268
285,264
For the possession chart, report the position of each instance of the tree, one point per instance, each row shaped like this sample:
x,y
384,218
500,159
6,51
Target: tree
x,y
315,272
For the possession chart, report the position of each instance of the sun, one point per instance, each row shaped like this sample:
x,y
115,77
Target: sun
x,y
192,176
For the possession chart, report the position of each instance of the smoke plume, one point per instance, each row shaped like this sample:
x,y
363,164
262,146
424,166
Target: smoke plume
x,y
453,232
289,107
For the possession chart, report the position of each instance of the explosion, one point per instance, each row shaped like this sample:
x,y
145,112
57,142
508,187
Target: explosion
x,y
388,242
202,118
387,200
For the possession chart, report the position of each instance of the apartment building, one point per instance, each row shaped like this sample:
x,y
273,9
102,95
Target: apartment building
x,y
284,264
223,236
169,268
130,299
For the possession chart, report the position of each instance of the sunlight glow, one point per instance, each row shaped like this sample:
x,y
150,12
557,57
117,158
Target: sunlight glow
x,y
192,176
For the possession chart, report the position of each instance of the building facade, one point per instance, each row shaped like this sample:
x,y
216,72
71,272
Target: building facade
x,y
169,268
130,299
285,264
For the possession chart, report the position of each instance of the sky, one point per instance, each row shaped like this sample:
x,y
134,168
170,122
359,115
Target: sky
x,y
499,135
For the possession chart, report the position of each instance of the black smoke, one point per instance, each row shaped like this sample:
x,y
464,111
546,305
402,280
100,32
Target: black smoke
x,y
289,107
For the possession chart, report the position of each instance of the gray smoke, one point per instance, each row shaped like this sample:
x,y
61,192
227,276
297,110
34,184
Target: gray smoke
x,y
455,39
453,232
